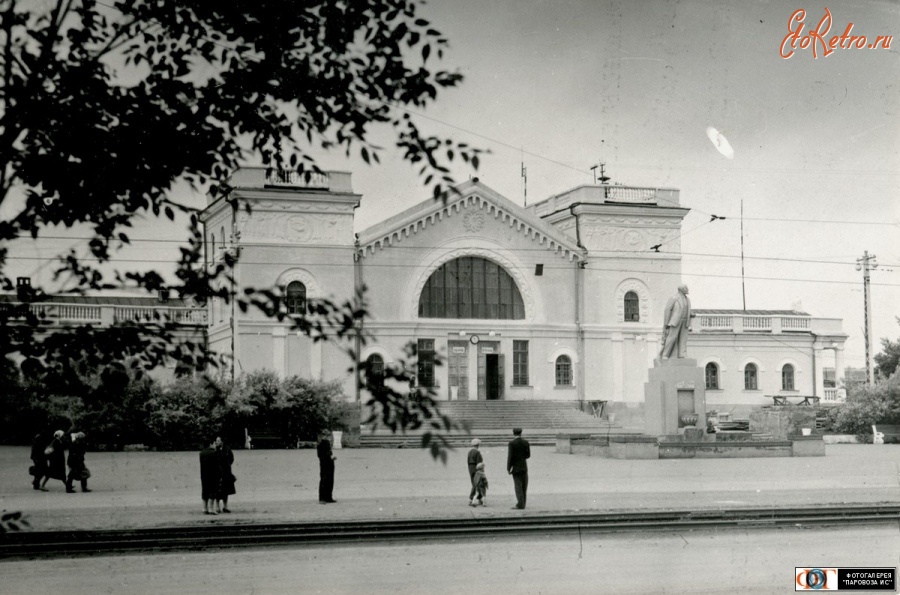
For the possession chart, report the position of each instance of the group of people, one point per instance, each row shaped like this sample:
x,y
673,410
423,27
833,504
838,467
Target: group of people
x,y
518,452
48,458
217,482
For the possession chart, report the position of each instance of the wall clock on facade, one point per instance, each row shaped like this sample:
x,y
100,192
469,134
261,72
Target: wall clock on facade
x,y
474,340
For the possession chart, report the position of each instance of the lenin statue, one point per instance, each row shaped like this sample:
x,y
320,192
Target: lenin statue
x,y
677,324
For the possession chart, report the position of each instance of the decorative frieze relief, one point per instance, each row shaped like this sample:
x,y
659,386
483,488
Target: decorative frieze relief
x,y
305,206
296,228
627,239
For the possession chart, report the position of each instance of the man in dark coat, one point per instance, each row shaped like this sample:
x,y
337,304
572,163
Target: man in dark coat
x,y
39,461
326,468
210,478
519,452
77,469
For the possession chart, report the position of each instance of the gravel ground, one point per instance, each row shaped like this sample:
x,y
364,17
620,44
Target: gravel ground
x,y
153,489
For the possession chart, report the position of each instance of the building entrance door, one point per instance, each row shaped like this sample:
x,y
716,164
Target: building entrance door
x,y
490,371
458,370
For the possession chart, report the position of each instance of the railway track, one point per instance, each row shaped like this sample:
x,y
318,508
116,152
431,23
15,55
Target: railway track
x,y
77,543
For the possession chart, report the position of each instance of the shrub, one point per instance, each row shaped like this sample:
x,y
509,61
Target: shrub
x,y
306,406
185,414
867,405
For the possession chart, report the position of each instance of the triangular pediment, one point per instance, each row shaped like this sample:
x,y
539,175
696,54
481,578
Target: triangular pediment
x,y
430,213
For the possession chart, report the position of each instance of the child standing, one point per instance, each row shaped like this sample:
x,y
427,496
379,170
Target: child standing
x,y
480,484
474,457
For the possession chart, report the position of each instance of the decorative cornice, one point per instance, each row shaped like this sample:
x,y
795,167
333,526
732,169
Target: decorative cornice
x,y
473,221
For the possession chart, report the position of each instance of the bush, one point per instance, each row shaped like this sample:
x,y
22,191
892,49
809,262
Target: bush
x,y
305,407
185,414
869,404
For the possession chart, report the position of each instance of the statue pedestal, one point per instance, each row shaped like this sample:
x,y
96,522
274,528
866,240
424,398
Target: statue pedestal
x,y
674,393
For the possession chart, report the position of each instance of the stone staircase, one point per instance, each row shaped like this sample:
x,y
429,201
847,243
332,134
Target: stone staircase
x,y
492,423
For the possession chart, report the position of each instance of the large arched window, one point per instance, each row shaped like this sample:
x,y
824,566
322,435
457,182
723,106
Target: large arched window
x,y
471,287
564,371
632,307
295,298
750,377
712,376
787,377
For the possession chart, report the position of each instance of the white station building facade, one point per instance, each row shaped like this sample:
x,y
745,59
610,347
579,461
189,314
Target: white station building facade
x,y
561,300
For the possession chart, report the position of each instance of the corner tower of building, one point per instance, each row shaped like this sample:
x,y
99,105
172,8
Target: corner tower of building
x,y
289,231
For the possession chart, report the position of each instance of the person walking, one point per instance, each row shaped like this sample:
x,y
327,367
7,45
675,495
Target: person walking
x,y
56,459
39,461
472,459
326,468
77,469
480,483
210,478
518,453
226,459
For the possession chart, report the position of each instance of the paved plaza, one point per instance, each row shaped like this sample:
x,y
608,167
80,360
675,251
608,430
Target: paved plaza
x,y
162,489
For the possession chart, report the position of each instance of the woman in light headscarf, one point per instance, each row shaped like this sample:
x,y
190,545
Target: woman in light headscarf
x,y
56,459
77,469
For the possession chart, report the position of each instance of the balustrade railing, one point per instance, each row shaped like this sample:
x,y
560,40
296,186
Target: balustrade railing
x,y
286,177
718,323
109,314
794,323
755,324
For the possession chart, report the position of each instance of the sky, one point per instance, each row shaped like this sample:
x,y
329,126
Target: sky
x,y
560,86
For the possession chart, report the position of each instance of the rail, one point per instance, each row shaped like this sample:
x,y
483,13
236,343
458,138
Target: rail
x,y
53,544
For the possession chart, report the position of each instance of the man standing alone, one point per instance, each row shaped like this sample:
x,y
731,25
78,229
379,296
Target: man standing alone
x,y
326,468
519,452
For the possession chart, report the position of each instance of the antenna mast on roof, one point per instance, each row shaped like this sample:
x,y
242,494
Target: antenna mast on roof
x,y
524,177
603,177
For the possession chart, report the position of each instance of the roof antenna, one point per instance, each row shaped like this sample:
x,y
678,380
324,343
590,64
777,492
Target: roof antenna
x,y
524,177
603,177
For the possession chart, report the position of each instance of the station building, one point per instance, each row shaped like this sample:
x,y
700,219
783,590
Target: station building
x,y
561,300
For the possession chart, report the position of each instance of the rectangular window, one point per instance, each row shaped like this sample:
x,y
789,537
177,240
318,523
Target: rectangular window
x,y
520,363
425,359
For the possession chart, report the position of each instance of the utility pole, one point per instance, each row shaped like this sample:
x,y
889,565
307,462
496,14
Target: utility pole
x,y
866,264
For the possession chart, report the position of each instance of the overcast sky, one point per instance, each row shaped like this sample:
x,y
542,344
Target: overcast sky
x,y
561,85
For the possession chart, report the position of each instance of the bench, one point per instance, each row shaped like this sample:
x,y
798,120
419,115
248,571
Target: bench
x,y
891,433
785,400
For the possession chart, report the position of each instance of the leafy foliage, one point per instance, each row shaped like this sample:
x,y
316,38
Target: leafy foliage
x,y
106,106
870,404
887,362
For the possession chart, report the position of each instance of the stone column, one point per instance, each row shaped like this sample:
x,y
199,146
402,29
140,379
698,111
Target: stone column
x,y
839,366
279,334
819,371
618,367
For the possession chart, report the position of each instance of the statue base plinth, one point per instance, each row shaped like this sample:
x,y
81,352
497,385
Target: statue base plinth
x,y
675,387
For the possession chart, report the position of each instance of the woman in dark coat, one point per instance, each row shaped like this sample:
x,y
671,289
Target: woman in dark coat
x,y
77,469
39,461
210,478
56,459
226,459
